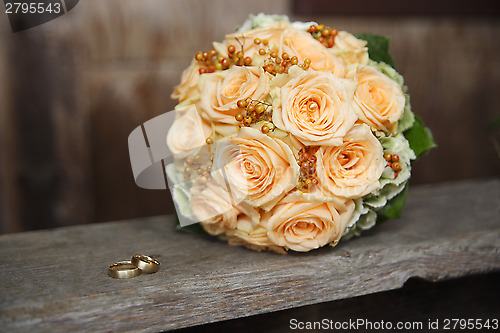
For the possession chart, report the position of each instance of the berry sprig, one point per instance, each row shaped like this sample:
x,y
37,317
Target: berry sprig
x,y
238,58
193,167
275,64
393,163
280,65
324,35
196,168
211,61
307,162
254,111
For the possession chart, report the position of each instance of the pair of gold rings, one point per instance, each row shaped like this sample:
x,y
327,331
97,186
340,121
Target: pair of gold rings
x,y
135,267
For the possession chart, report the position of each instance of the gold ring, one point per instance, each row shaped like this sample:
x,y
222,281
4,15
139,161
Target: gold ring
x,y
123,270
145,263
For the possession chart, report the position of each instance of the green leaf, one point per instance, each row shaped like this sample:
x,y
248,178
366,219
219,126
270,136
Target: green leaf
x,y
419,137
394,207
495,123
378,48
196,228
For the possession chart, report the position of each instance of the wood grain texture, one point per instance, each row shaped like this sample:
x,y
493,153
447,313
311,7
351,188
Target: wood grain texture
x,y
417,302
395,7
44,131
8,189
56,280
121,101
101,70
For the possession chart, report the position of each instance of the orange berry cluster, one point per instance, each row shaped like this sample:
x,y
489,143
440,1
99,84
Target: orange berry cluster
x,y
211,61
264,42
279,65
253,112
276,64
393,163
324,35
194,168
307,163
238,58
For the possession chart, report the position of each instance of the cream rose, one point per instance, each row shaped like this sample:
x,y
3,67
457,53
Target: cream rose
x,y
259,169
350,49
188,132
272,33
220,91
379,101
215,209
188,88
316,108
252,237
302,45
304,226
352,169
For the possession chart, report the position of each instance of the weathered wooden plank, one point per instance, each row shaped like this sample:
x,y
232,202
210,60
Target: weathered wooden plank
x,y
56,280
38,177
8,165
44,129
121,100
394,7
416,304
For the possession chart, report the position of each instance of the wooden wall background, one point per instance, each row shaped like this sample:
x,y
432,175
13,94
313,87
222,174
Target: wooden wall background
x,y
72,90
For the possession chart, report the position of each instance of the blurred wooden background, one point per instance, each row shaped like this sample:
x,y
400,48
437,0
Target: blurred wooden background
x,y
72,90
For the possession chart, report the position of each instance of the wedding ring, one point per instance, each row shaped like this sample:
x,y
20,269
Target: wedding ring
x,y
145,263
123,270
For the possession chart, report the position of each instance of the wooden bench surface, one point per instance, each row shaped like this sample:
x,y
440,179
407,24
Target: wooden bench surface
x,y
56,280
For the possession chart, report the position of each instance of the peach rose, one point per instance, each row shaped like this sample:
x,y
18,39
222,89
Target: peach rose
x,y
304,225
350,49
379,100
352,169
272,33
258,168
303,45
188,132
188,88
220,91
315,107
215,209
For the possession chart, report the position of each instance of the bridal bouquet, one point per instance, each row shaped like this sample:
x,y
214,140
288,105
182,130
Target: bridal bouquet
x,y
291,136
